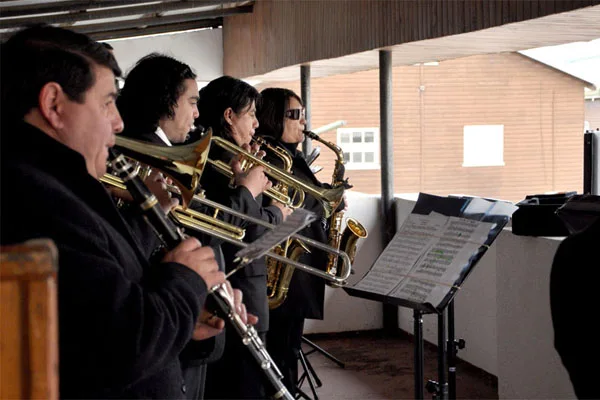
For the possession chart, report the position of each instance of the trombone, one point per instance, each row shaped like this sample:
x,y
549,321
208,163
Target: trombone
x,y
336,280
185,165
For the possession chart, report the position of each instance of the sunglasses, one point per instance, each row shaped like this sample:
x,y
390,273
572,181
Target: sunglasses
x,y
295,113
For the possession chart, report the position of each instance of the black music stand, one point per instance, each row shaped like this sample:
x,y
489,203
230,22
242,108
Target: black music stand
x,y
412,265
309,374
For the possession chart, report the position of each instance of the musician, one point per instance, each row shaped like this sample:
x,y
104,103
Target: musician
x,y
282,120
158,105
573,287
122,322
227,105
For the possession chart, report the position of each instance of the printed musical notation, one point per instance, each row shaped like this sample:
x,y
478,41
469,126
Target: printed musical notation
x,y
425,258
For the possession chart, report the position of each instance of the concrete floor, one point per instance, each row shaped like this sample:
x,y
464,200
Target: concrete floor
x,y
378,366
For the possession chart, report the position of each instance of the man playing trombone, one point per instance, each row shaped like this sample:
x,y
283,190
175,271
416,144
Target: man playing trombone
x,y
159,105
122,321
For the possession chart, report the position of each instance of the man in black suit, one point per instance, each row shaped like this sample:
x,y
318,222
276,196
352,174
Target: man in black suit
x,y
158,105
573,296
123,322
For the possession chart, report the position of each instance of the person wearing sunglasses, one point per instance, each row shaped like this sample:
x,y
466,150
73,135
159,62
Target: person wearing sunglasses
x,y
282,119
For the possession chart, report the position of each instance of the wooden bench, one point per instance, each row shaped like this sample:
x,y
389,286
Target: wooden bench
x,y
29,321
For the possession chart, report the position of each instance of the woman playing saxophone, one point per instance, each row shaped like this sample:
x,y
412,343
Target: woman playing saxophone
x,y
281,116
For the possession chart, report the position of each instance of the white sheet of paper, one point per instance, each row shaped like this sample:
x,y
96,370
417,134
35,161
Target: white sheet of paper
x,y
425,258
415,235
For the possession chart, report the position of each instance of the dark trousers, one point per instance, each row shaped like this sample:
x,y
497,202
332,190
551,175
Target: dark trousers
x,y
236,375
284,341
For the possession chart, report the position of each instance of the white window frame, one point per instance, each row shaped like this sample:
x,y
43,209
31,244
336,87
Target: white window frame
x,y
360,147
483,146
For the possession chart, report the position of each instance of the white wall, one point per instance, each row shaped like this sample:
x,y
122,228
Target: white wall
x,y
202,50
528,365
502,311
342,311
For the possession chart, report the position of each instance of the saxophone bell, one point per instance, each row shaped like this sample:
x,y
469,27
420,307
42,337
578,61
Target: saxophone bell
x,y
354,230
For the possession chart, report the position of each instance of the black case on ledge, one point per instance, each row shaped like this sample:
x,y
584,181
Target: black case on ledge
x,y
536,215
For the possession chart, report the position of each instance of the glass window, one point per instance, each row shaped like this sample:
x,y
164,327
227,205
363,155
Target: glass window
x,y
483,145
360,147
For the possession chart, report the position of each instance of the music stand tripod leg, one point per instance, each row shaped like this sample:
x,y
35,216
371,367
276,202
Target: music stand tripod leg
x,y
308,374
323,352
419,358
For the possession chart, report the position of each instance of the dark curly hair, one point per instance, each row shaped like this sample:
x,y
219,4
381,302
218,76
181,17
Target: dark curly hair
x,y
40,54
151,91
218,96
270,111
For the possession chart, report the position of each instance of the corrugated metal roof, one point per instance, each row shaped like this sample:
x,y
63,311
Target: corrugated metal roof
x,y
112,19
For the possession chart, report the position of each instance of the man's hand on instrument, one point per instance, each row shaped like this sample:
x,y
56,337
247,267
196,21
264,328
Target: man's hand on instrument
x,y
193,255
207,326
157,183
240,308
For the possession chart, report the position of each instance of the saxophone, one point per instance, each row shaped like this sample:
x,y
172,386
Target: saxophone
x,y
354,230
279,274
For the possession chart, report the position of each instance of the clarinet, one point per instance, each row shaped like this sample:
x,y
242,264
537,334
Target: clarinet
x,y
171,236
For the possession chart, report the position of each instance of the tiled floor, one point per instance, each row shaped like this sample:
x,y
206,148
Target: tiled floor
x,y
381,367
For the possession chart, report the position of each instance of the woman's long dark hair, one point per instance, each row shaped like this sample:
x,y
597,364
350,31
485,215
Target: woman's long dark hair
x,y
219,95
270,111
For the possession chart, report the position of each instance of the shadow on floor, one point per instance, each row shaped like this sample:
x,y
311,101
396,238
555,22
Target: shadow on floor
x,y
380,366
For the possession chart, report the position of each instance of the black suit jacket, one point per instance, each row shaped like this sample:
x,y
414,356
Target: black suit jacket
x,y
122,322
573,297
306,294
251,280
197,352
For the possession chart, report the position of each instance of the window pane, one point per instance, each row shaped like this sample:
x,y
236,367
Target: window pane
x,y
369,137
369,156
346,157
345,137
356,137
356,157
483,145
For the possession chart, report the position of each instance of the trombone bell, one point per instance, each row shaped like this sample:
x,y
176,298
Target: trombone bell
x,y
184,164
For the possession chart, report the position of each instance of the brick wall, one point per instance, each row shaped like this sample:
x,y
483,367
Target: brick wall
x,y
542,111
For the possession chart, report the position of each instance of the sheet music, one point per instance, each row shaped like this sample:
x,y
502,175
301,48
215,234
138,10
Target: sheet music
x,y
401,254
292,224
425,258
440,267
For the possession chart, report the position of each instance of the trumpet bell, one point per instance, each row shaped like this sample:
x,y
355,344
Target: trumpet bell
x,y
184,164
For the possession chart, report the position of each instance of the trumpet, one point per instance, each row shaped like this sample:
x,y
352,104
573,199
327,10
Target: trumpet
x,y
183,166
330,198
274,192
